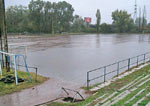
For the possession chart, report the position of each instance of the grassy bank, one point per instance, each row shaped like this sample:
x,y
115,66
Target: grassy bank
x,y
10,88
131,89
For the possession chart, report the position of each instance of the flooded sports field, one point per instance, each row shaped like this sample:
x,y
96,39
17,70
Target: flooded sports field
x,y
69,57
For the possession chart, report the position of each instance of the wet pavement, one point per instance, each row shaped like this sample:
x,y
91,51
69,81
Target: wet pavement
x,y
48,91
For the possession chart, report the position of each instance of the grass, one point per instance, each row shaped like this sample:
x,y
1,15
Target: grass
x,y
115,86
122,102
10,88
145,101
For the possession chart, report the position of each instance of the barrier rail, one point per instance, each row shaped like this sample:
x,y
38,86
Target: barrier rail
x,y
117,67
30,67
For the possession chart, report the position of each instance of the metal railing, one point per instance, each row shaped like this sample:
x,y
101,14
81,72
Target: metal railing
x,y
117,68
29,67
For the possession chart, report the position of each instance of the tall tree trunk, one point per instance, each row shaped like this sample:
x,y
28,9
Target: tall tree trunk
x,y
4,33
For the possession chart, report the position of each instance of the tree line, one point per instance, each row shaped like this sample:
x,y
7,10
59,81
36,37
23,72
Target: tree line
x,y
51,17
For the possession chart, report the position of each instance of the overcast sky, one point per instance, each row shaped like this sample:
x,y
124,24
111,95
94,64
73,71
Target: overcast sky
x,y
87,8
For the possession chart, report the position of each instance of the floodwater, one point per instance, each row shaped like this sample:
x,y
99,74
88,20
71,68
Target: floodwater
x,y
66,60
69,57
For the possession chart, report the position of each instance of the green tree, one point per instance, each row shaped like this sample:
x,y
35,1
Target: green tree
x,y
48,7
106,28
141,22
65,16
78,24
36,15
98,16
122,21
16,18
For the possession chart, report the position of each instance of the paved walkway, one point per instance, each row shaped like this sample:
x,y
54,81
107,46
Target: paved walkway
x,y
37,95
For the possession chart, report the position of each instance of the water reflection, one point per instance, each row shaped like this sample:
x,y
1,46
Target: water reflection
x,y
70,57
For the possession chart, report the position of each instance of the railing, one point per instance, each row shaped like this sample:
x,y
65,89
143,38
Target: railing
x,y
29,67
116,68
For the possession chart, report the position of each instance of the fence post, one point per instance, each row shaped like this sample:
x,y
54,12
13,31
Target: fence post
x,y
88,80
144,57
128,63
137,60
105,74
36,74
118,69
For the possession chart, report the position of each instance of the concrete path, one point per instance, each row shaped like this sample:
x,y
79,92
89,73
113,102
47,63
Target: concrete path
x,y
40,94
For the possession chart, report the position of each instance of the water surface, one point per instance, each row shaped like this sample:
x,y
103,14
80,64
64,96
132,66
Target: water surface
x,y
70,57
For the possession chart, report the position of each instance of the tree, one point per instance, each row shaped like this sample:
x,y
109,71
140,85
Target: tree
x,y
36,15
106,28
122,21
65,15
78,24
48,7
140,22
16,18
98,16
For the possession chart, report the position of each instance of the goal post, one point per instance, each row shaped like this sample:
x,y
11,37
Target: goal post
x,y
14,62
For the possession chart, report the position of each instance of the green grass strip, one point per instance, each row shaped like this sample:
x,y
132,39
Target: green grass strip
x,y
145,101
10,88
137,98
132,94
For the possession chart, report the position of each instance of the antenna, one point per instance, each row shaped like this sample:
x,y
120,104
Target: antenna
x,y
135,11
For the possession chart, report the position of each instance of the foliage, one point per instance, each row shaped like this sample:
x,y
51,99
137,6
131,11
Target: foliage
x,y
98,16
106,28
16,18
122,21
50,17
141,23
40,16
78,24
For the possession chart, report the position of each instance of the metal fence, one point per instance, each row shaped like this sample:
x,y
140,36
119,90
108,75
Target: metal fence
x,y
107,72
35,70
31,68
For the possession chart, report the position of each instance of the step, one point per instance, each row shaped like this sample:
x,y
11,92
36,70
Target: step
x,y
106,99
135,96
117,98
141,100
96,100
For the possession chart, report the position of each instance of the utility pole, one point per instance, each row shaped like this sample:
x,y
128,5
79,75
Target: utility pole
x,y
144,17
1,43
140,19
135,11
3,18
